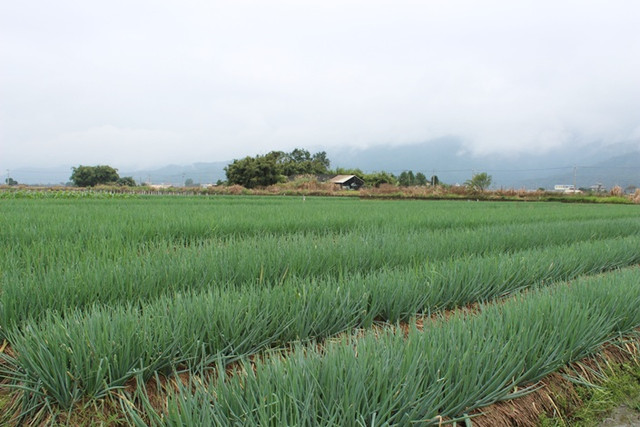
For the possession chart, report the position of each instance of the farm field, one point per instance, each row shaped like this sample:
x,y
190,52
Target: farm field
x,y
284,311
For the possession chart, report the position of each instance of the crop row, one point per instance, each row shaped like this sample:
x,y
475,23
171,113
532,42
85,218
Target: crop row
x,y
67,357
114,223
34,282
44,276
387,378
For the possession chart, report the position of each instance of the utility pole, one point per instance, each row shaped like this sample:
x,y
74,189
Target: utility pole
x,y
575,168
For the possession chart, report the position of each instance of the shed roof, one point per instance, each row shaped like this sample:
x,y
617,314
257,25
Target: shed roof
x,y
341,179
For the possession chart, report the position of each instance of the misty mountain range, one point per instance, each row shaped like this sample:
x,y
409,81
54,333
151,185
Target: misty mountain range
x,y
609,165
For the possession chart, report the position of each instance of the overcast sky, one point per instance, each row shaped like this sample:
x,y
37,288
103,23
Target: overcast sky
x,y
136,83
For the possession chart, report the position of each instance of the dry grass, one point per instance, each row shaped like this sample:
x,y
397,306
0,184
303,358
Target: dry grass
x,y
617,191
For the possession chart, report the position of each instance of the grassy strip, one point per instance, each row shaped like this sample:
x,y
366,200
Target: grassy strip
x,y
34,282
98,351
422,193
617,391
447,370
497,196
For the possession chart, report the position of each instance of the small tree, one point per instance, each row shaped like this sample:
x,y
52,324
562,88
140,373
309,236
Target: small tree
x,y
404,180
126,181
407,179
479,182
377,178
10,181
188,182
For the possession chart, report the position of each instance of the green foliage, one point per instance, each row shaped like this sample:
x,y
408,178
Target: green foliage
x,y
259,171
274,167
406,179
376,179
197,282
188,182
451,368
349,171
616,389
11,181
577,198
479,182
300,162
66,194
254,316
622,386
126,181
128,288
90,176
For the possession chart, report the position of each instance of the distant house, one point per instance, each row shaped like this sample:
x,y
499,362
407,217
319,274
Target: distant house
x,y
347,182
159,186
564,188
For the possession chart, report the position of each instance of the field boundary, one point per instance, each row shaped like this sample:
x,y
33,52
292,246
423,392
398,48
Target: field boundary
x,y
383,193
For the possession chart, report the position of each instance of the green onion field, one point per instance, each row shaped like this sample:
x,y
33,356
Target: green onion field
x,y
279,311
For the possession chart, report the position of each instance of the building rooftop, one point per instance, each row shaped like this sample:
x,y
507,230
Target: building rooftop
x,y
341,179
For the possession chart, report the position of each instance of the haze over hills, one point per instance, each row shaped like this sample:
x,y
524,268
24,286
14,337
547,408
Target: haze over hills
x,y
616,164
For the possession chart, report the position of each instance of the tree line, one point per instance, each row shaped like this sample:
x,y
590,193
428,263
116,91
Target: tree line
x,y
276,167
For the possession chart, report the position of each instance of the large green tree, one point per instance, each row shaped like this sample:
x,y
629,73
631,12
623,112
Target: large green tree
x,y
89,176
258,171
274,167
300,162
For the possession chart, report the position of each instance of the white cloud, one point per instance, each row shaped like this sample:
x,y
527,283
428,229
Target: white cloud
x,y
142,82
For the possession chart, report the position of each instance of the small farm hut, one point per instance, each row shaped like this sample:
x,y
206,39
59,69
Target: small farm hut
x,y
347,182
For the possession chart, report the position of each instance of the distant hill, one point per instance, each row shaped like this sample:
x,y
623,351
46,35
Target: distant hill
x,y
623,170
614,164
200,173
448,159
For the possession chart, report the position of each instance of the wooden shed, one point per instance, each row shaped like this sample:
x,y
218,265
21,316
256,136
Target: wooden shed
x,y
347,182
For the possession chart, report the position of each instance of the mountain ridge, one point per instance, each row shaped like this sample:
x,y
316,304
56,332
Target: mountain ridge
x,y
448,158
